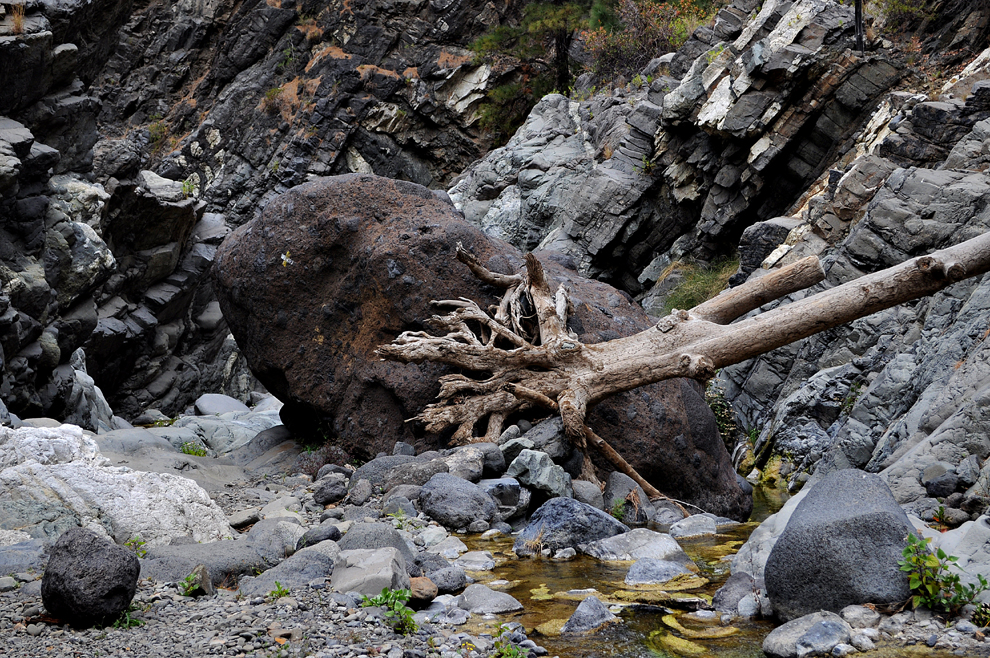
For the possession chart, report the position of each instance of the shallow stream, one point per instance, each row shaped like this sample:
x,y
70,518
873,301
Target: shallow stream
x,y
549,592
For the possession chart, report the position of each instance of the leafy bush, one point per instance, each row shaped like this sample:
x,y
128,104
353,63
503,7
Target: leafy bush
x,y
157,132
700,283
393,602
930,578
648,29
618,509
188,585
503,646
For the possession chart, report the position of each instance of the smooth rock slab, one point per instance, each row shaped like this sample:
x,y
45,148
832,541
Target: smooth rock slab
x,y
64,467
214,404
88,579
476,561
226,561
482,600
369,571
693,526
651,571
306,565
564,522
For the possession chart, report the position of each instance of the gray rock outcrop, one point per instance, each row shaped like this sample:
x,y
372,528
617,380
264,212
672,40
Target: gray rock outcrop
x,y
841,547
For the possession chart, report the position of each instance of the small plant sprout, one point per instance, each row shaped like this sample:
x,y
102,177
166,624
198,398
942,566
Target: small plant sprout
x,y
278,593
393,603
136,545
400,517
126,621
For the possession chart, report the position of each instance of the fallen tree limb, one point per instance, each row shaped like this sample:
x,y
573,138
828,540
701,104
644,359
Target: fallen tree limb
x,y
533,360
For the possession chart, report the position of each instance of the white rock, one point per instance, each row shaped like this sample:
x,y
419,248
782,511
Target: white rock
x,y
63,465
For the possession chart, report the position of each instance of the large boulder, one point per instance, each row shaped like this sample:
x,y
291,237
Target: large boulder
x,y
565,523
349,262
88,579
840,547
456,503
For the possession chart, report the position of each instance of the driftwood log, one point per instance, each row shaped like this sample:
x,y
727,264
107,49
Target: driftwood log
x,y
523,356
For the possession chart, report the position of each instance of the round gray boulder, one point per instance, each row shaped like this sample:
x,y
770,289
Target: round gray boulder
x,y
840,547
565,523
456,503
88,580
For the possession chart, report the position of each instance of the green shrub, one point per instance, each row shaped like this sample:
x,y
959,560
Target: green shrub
x,y
700,283
188,585
934,585
618,509
192,448
503,646
646,29
393,602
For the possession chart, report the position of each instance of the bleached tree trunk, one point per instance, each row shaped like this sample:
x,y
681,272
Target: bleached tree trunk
x,y
535,362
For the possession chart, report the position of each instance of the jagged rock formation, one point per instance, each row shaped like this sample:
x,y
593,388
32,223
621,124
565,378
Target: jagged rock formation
x,y
248,99
749,113
229,103
900,390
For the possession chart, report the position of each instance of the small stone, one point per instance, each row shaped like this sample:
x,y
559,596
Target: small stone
x,y
843,649
932,639
35,629
862,642
966,627
7,584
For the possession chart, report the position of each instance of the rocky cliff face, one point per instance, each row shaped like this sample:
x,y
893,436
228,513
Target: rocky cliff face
x,y
767,131
137,134
733,129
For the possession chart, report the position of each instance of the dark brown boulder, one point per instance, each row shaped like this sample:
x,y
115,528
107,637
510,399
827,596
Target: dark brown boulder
x,y
336,267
